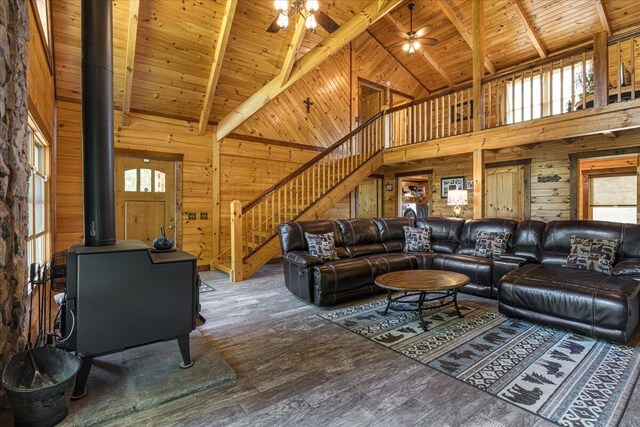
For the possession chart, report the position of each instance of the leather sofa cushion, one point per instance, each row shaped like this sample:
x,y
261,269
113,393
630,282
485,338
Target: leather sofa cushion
x,y
445,232
344,274
528,239
477,269
360,250
302,259
388,263
473,226
358,231
292,234
628,267
391,228
557,234
575,295
425,259
394,245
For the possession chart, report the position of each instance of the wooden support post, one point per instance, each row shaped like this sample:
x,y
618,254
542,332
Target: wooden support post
x,y
216,196
386,127
600,69
236,242
478,183
477,30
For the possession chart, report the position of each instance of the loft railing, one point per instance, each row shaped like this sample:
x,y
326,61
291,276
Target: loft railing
x,y
623,59
257,222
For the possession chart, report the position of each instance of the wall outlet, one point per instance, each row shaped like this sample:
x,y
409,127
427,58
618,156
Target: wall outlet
x,y
191,215
204,215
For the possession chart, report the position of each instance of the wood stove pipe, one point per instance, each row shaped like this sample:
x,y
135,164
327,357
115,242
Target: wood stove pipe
x,y
97,123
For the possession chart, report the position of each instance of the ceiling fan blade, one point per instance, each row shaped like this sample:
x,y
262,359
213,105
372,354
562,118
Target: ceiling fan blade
x,y
428,41
402,34
424,31
326,22
274,27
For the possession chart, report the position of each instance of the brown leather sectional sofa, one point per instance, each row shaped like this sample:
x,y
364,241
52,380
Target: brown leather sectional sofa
x,y
528,281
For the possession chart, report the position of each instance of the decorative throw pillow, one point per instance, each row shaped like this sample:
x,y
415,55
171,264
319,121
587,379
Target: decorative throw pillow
x,y
322,245
491,244
593,254
417,239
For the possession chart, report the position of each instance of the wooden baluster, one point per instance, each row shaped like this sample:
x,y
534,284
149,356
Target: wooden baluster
x,y
633,68
551,67
522,97
442,118
573,85
489,98
584,80
470,120
561,85
430,119
541,91
449,113
618,70
437,118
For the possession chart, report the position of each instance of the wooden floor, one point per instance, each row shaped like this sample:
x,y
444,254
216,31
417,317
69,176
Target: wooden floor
x,y
295,368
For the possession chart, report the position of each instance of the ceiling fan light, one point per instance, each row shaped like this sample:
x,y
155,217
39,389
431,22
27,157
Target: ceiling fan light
x,y
312,5
406,47
311,22
416,44
281,5
411,50
283,21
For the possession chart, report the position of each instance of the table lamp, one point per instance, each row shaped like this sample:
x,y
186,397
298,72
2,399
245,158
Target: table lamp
x,y
457,198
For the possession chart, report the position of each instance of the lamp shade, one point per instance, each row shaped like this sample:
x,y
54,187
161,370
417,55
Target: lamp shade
x,y
457,198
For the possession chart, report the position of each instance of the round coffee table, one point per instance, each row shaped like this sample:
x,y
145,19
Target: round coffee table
x,y
423,283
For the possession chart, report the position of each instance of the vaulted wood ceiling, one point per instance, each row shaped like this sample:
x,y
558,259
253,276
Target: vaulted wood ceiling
x,y
176,40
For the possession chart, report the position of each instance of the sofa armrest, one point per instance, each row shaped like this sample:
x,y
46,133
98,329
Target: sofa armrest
x,y
513,259
630,267
302,259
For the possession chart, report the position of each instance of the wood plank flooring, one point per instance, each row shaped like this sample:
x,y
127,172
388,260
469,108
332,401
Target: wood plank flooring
x,y
295,368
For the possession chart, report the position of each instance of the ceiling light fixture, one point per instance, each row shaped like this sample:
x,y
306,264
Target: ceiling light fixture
x,y
306,8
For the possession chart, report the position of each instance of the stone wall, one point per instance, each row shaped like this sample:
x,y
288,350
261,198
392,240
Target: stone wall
x,y
13,174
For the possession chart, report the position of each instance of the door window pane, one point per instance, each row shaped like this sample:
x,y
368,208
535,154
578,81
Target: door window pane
x,y
160,185
614,198
131,180
626,215
145,180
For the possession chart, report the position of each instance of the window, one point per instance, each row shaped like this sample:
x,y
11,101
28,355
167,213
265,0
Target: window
x,y
531,96
42,9
614,198
38,228
145,177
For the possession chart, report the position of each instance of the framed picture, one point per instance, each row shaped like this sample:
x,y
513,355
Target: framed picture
x,y
461,111
446,184
470,185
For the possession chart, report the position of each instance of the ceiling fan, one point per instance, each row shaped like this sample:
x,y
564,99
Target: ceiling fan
x,y
414,39
309,9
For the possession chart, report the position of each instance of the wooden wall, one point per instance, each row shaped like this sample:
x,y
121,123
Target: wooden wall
x,y
143,133
549,160
333,89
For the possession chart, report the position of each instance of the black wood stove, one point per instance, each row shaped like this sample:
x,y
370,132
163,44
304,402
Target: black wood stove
x,y
118,294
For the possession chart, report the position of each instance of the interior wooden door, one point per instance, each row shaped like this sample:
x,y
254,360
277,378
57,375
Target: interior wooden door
x,y
370,102
145,198
505,192
369,198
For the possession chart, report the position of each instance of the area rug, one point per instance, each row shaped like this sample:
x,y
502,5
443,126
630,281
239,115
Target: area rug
x,y
145,377
563,377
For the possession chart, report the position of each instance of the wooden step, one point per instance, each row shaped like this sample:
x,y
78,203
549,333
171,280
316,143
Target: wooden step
x,y
223,264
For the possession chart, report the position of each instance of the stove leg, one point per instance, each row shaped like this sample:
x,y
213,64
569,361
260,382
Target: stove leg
x,y
80,389
183,343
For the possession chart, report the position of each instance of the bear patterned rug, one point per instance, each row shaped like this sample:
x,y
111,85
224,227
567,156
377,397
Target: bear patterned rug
x,y
564,377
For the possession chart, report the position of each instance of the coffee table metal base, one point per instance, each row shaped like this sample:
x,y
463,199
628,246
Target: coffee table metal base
x,y
423,297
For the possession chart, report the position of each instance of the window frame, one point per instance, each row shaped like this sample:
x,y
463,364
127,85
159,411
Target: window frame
x,y
587,207
46,37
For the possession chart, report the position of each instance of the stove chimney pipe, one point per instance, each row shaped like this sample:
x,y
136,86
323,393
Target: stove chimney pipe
x,y
97,123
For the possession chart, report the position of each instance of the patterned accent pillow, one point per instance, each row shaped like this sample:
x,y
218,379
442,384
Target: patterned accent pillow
x,y
322,245
491,244
417,239
593,254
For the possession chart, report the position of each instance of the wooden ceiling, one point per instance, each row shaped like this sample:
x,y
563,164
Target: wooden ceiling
x,y
175,44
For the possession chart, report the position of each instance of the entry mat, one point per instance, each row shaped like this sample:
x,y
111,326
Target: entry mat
x,y
566,378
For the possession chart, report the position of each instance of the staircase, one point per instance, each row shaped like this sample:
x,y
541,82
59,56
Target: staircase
x,y
305,194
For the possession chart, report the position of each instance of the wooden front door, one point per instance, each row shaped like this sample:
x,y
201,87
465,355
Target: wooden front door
x,y
505,192
145,198
369,198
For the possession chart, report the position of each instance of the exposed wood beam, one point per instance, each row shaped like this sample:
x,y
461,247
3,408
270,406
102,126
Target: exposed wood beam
x,y
455,19
292,51
477,29
531,32
422,52
602,14
134,7
216,66
333,43
610,135
478,180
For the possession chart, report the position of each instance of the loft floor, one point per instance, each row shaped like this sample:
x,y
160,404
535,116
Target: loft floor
x,y
295,368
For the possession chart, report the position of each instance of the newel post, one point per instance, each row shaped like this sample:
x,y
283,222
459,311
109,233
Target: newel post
x,y
386,128
600,69
236,241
